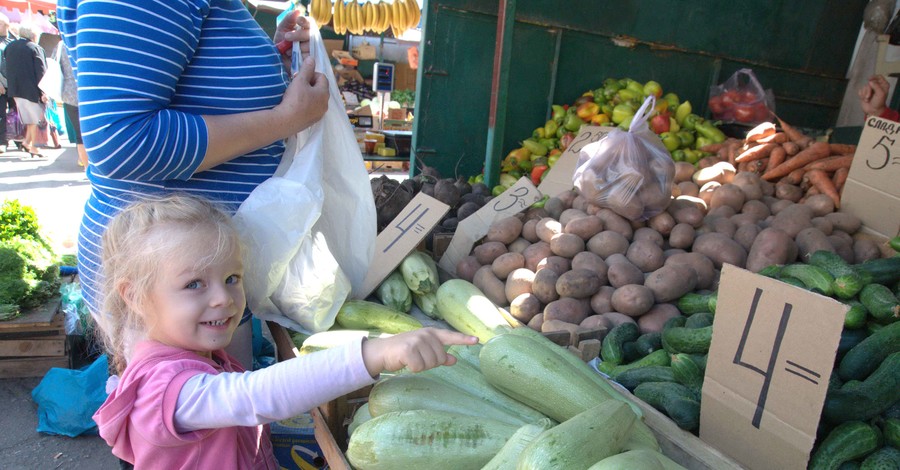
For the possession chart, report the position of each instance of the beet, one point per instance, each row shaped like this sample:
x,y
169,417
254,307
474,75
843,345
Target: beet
x,y
390,198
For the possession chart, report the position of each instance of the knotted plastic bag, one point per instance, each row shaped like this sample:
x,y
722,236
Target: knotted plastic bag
x,y
310,230
629,172
67,399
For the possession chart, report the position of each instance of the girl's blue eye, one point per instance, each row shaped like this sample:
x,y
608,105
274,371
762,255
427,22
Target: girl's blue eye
x,y
193,285
233,279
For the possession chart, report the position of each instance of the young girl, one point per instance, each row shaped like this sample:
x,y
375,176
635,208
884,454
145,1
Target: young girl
x,y
173,294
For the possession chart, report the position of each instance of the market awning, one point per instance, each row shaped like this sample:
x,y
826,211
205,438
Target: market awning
x,y
24,5
30,11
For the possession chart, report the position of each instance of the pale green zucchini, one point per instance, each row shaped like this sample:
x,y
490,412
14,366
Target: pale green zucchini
x,y
508,456
641,459
419,272
418,392
365,315
641,437
468,353
360,416
587,438
426,439
331,338
521,368
427,303
394,293
469,311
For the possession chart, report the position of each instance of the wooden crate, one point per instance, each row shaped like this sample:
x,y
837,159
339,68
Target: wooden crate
x,y
331,420
33,343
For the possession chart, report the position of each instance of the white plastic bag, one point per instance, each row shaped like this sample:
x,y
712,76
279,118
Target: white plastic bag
x,y
310,230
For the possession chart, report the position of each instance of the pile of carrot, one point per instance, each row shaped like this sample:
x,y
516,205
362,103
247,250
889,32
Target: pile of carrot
x,y
790,157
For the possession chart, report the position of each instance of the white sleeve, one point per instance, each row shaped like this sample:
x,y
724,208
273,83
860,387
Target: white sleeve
x,y
280,391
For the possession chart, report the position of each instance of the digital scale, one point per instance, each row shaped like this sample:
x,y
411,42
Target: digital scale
x,y
383,84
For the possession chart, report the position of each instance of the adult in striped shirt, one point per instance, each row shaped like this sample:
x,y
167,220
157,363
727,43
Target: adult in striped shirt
x,y
180,96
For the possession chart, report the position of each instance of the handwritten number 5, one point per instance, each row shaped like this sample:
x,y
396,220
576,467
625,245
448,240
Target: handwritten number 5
x,y
887,152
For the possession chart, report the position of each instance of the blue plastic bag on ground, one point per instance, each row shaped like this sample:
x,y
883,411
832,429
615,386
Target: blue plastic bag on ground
x,y
67,399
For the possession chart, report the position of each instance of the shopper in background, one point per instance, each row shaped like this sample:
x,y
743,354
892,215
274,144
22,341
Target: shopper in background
x,y
873,98
6,37
23,66
70,102
173,290
197,100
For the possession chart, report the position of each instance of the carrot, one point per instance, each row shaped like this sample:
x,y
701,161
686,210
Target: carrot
x,y
777,138
839,178
820,180
777,157
806,156
791,148
764,129
842,149
755,153
791,131
831,163
759,166
743,167
805,142
794,177
712,148
733,152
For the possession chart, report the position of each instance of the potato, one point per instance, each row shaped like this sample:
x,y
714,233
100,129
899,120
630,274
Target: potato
x,y
536,253
616,318
700,263
811,240
740,220
606,243
720,249
821,204
746,234
632,299
580,203
669,283
865,249
525,307
724,226
793,219
721,172
721,211
824,224
567,309
656,317
507,263
758,209
556,263
528,230
624,273
690,214
547,228
519,282
650,234
466,267
505,230
843,249
788,192
492,287
601,302
569,215
843,221
768,188
727,195
780,205
535,213
684,171
848,239
578,284
584,227
682,236
536,322
566,245
662,222
616,258
749,183
653,199
591,262
544,285
487,252
671,252
597,322
688,188
708,161
616,223
646,255
555,207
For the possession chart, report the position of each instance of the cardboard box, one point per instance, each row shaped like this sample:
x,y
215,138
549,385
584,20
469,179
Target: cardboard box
x,y
404,77
294,440
872,191
364,51
332,45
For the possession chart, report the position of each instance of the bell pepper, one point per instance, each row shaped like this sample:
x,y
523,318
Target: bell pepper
x,y
536,148
621,112
539,161
587,110
635,86
497,190
690,122
565,140
526,166
515,173
672,99
508,180
558,112
673,125
653,88
550,128
600,120
537,172
540,202
670,141
686,138
678,155
691,156
539,133
626,124
660,123
702,142
552,159
572,122
627,94
710,131
682,112
549,143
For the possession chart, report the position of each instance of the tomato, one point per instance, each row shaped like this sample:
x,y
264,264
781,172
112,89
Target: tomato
x,y
743,114
747,97
760,112
716,105
729,98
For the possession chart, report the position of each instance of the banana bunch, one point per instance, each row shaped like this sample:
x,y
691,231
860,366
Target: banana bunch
x,y
320,10
405,14
357,18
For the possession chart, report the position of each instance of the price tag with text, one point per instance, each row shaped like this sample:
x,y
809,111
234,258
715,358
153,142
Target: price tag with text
x,y
559,178
767,372
400,237
871,191
515,199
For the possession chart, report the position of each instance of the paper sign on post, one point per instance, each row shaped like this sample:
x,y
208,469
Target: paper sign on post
x,y
400,237
515,199
771,355
872,191
559,178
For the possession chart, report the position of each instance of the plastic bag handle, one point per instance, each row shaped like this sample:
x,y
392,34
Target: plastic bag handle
x,y
643,113
751,77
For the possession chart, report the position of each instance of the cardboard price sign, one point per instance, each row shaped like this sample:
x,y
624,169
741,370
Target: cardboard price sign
x,y
400,237
772,351
515,199
559,178
871,191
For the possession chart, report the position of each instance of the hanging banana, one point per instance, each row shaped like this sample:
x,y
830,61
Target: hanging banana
x,y
413,12
327,13
339,20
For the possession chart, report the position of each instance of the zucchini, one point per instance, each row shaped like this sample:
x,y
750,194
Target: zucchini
x,y
361,415
687,340
521,368
419,272
891,432
394,293
633,377
869,398
886,458
656,358
814,277
417,392
675,400
699,320
687,372
612,351
426,439
331,338
508,456
880,302
692,303
468,353
639,459
648,342
856,316
365,315
468,310
884,271
586,438
641,437
865,357
427,303
849,441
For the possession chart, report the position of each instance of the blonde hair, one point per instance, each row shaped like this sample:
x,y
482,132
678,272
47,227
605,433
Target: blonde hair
x,y
134,244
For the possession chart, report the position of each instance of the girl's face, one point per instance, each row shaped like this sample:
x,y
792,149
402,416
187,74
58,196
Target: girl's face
x,y
196,305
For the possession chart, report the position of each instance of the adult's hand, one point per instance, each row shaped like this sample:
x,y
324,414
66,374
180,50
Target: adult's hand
x,y
873,95
293,28
306,98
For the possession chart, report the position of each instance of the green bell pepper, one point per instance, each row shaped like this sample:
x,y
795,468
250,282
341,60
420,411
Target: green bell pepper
x,y
686,137
710,132
670,141
682,112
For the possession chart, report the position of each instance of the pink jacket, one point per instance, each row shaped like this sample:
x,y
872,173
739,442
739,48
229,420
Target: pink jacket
x,y
137,417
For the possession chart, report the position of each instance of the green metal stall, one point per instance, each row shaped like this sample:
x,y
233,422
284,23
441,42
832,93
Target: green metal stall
x,y
489,70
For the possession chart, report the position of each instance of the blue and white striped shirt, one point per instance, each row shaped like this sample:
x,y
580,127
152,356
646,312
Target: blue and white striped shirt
x,y
147,71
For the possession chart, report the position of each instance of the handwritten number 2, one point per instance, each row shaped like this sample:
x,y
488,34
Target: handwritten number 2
x,y
887,152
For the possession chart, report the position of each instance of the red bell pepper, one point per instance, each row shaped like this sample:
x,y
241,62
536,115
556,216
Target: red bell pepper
x,y
537,173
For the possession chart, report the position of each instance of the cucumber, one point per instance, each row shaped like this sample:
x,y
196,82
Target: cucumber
x,y
687,372
675,400
793,281
886,458
631,352
880,302
699,320
885,271
849,441
814,277
634,377
692,303
851,465
856,316
891,432
895,243
865,357
847,282
612,348
656,358
868,399
648,342
773,271
687,340
700,360
849,339
674,322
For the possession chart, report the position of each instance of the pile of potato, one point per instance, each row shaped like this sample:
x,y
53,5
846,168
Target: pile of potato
x,y
574,266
